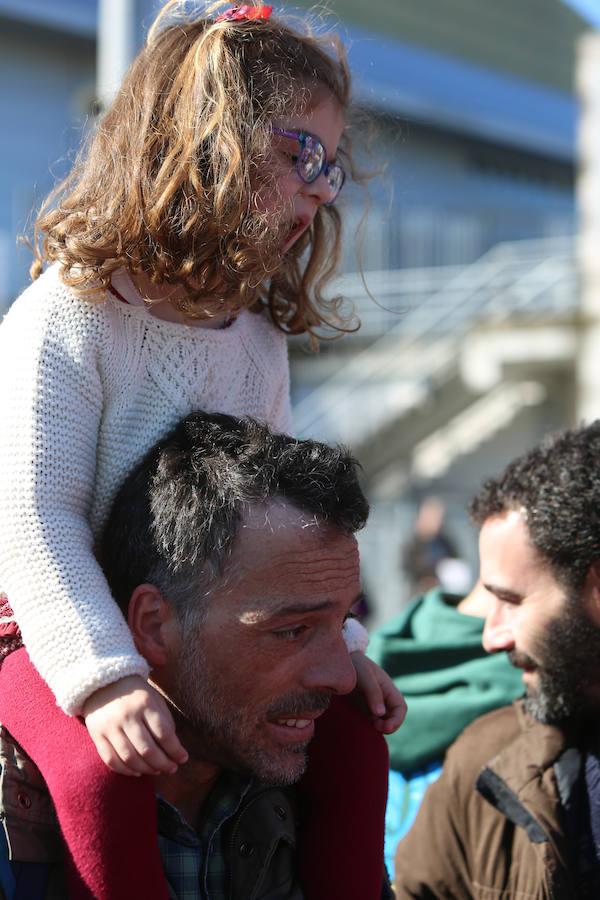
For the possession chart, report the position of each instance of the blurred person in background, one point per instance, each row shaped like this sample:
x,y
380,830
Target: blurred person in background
x,y
427,548
433,652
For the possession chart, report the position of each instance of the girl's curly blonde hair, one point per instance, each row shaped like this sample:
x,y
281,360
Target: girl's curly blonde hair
x,y
165,186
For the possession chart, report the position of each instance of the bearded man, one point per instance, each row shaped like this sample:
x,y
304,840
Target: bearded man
x,y
516,812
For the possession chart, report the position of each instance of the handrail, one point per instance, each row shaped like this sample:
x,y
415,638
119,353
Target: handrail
x,y
525,277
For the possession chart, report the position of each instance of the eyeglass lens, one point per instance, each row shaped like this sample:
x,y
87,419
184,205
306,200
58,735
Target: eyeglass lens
x,y
312,159
335,180
311,163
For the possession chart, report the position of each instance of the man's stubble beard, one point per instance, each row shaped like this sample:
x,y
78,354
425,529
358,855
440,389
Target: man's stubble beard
x,y
569,667
212,732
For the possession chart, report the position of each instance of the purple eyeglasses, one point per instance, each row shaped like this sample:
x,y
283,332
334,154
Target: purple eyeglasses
x,y
312,162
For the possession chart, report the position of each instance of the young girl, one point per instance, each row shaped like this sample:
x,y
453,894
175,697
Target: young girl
x,y
195,233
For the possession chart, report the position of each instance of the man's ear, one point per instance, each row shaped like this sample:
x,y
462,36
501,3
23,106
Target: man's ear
x,y
592,589
152,624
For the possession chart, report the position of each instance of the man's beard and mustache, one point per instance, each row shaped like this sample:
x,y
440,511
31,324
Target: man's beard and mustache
x,y
567,665
220,729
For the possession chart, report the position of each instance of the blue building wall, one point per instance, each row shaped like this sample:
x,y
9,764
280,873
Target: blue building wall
x,y
46,85
438,202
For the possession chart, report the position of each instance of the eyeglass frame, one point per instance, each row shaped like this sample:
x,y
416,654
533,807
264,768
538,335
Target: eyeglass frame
x,y
326,166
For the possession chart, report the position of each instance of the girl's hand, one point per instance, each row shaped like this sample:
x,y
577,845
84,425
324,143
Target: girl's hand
x,y
384,701
132,728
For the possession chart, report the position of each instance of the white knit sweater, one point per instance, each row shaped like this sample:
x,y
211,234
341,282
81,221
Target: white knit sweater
x,y
86,389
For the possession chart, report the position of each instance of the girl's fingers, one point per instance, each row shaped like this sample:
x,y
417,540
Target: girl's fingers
x,y
144,754
393,698
162,728
393,723
368,684
394,719
110,757
374,696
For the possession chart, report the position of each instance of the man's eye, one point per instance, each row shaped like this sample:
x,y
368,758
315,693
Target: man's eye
x,y
509,599
291,634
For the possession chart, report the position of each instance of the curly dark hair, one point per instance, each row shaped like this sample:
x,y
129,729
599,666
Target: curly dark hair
x,y
557,486
175,519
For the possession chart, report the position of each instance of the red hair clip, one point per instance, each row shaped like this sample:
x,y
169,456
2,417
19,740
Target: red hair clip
x,y
245,13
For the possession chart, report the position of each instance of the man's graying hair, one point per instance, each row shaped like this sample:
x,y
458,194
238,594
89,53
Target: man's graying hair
x,y
557,485
174,521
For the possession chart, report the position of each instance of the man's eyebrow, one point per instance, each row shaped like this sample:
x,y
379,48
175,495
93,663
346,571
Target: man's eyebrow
x,y
295,609
499,591
290,609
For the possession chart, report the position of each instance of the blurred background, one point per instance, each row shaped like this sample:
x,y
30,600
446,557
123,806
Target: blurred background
x,y
480,300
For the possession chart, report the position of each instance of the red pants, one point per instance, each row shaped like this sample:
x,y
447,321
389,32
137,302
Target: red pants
x,y
108,821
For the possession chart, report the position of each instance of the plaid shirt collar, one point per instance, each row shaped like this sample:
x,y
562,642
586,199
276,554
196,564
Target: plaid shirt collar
x,y
195,860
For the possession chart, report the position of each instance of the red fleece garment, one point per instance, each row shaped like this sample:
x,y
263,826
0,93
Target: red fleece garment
x,y
343,796
108,821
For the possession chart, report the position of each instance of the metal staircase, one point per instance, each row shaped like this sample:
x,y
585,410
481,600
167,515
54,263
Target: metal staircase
x,y
407,382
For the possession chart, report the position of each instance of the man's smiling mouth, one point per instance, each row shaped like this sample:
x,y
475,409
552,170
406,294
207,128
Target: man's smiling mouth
x,y
294,723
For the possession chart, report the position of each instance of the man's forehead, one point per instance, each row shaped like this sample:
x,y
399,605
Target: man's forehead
x,y
278,529
277,514
508,555
284,554
506,530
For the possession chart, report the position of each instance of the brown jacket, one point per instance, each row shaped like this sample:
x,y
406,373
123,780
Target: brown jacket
x,y
493,826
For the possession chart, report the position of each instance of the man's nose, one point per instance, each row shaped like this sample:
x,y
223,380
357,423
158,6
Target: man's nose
x,y
497,631
332,670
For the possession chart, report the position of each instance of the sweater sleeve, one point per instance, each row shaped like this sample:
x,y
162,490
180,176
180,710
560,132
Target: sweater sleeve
x,y
356,636
51,404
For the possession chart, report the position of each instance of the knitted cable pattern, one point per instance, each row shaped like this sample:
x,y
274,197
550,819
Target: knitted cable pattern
x,y
87,388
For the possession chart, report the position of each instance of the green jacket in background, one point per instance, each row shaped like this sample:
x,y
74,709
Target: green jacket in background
x,y
435,657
